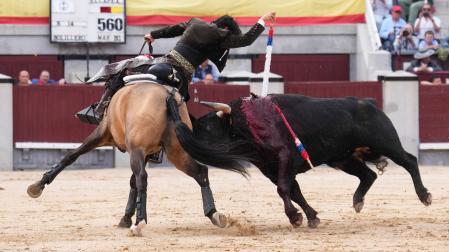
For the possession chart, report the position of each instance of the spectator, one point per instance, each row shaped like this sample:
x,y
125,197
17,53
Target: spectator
x,y
423,63
204,69
208,79
406,42
391,27
61,82
381,9
411,9
434,80
44,79
427,22
429,42
24,78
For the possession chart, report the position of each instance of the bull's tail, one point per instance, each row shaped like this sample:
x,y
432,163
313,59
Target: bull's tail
x,y
215,155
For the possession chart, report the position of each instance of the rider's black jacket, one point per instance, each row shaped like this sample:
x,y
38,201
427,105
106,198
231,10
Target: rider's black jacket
x,y
201,40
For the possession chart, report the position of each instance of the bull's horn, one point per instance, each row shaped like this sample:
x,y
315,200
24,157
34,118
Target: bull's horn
x,y
218,106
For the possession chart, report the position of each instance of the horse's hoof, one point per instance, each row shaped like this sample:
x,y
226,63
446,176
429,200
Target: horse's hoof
x,y
219,220
358,206
314,223
298,222
137,230
427,200
125,222
35,190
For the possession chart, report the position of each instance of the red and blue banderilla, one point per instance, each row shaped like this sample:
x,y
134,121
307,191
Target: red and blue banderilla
x,y
299,145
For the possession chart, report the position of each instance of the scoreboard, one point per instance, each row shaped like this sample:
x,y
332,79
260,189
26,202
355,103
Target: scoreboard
x,y
91,21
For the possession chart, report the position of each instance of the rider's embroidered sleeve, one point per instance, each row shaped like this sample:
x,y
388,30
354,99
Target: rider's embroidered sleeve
x,y
170,31
234,41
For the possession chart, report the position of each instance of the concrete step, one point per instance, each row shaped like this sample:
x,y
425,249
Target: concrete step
x,y
441,12
444,21
441,3
444,25
442,7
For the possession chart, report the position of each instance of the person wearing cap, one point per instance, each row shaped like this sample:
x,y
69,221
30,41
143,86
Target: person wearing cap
x,y
423,63
391,27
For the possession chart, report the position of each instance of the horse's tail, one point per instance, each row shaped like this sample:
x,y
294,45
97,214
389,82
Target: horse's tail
x,y
215,155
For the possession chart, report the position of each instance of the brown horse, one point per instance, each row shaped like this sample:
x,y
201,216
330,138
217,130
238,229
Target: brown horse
x,y
138,121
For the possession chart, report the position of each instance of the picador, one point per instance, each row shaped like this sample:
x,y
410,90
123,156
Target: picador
x,y
199,41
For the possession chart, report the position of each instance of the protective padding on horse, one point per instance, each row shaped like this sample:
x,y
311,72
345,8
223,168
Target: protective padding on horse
x,y
208,201
132,201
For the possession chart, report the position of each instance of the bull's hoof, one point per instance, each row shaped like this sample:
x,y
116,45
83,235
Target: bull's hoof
x,y
136,230
314,223
426,199
125,222
358,206
219,220
297,222
35,190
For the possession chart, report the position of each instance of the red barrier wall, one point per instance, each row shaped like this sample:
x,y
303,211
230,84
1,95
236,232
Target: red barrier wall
x,y
46,113
306,67
434,113
337,89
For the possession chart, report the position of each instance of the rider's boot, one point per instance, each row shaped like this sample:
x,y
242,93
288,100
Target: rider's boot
x,y
94,113
103,104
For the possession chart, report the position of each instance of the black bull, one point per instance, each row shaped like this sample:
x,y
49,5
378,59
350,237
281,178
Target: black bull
x,y
342,133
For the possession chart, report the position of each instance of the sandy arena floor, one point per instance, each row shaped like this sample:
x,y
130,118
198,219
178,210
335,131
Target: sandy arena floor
x,y
80,210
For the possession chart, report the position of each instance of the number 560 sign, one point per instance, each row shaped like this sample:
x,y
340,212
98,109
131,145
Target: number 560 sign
x,y
93,21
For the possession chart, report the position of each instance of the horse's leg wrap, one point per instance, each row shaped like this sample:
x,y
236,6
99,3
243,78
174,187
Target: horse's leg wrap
x,y
50,175
132,201
125,221
208,201
141,206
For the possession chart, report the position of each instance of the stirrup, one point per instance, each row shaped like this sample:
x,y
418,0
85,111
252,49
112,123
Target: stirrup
x,y
88,115
156,157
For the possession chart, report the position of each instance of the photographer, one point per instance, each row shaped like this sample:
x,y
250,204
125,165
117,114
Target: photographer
x,y
405,41
427,22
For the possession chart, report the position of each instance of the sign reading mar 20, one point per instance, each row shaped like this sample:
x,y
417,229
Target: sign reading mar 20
x,y
92,21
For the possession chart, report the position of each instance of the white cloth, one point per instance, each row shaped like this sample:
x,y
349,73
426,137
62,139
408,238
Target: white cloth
x,y
427,25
